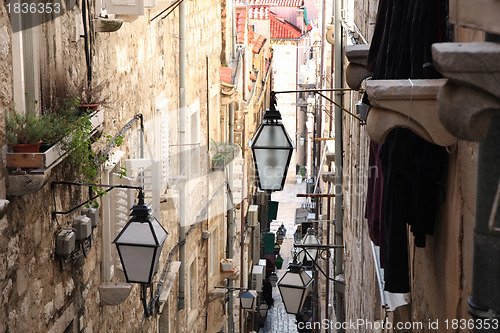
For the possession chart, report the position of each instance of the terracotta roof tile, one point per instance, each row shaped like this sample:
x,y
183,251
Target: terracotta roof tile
x,y
288,3
257,42
282,29
241,23
225,74
275,3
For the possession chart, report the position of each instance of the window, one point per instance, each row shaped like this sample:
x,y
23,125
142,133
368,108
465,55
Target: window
x,y
192,286
26,63
214,252
194,140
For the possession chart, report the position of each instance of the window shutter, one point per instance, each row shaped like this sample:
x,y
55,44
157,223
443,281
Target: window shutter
x,y
147,173
125,7
164,147
122,200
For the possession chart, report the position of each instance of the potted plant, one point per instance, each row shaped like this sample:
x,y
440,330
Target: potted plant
x,y
25,131
91,95
222,154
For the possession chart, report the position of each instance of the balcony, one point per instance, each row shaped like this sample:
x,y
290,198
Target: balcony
x,y
406,103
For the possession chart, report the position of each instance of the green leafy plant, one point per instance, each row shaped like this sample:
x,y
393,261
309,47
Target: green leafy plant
x,y
24,127
78,144
222,153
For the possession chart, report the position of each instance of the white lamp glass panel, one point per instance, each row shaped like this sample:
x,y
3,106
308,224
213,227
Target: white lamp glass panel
x,y
247,303
272,136
295,279
271,166
137,262
160,232
263,310
293,298
311,239
157,259
137,233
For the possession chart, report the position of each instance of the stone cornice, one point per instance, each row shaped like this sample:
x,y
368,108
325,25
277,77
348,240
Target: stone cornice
x,y
356,71
471,97
406,103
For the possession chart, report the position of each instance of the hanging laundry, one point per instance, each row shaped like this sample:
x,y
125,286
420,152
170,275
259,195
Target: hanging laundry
x,y
412,172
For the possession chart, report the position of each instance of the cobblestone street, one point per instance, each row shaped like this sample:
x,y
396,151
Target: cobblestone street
x,y
277,319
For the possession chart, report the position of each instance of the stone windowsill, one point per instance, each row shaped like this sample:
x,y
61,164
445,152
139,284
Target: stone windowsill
x,y
406,103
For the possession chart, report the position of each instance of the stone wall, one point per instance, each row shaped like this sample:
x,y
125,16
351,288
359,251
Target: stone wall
x,y
140,62
441,273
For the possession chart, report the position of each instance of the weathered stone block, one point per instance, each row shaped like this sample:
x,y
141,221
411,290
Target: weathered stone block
x,y
114,293
469,100
26,184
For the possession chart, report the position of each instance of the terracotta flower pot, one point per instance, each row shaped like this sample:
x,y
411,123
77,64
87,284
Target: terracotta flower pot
x,y
27,147
90,107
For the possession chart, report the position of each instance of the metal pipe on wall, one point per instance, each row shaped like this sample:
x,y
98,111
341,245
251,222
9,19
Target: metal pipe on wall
x,y
339,252
230,217
485,301
182,153
484,304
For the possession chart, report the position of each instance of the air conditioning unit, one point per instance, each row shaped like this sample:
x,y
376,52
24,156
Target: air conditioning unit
x,y
263,263
253,216
257,277
226,266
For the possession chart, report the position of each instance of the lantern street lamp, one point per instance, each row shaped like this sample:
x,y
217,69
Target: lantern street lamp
x,y
272,149
279,237
139,244
278,262
276,248
263,310
294,286
281,233
309,254
297,236
248,300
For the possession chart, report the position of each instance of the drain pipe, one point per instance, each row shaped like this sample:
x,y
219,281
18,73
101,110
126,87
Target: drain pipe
x,y
230,219
230,199
182,153
484,304
339,239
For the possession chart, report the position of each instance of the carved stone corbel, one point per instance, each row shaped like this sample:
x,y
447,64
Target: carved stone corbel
x,y
356,71
471,97
406,103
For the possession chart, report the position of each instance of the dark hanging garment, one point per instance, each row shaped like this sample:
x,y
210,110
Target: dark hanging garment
x,y
398,164
414,171
378,34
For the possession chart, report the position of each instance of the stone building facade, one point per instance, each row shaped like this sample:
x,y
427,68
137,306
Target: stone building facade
x,y
172,77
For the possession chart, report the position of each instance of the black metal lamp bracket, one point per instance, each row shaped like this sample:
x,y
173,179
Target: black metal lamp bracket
x,y
109,188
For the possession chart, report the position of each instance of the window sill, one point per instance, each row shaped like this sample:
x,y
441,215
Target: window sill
x,y
36,167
